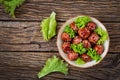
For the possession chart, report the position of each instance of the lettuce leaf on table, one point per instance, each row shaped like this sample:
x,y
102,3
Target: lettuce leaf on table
x,y
11,5
54,64
48,26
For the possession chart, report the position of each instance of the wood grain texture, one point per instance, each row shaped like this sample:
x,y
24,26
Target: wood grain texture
x,y
26,65
104,10
26,36
23,51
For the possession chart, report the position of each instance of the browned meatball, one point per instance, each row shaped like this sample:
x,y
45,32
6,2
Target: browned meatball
x,y
73,26
65,37
77,40
99,49
66,47
86,58
91,26
72,55
83,33
93,38
86,44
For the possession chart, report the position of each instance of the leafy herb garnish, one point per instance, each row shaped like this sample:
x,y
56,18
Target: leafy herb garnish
x,y
70,31
79,61
82,21
78,48
93,54
103,35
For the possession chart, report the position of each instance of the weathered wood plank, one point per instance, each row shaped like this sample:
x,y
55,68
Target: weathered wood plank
x,y
26,36
104,10
25,66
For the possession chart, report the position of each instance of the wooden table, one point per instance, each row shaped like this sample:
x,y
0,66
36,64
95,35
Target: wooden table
x,y
23,51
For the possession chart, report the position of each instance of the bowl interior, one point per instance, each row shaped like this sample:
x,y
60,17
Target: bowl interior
x,y
64,55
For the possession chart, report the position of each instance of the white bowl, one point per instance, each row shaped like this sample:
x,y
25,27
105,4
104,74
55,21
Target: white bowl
x,y
64,55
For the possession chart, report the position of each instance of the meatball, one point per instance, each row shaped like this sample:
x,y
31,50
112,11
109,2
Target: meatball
x,y
99,49
66,47
77,40
73,26
86,58
86,44
72,55
65,37
91,26
93,38
83,33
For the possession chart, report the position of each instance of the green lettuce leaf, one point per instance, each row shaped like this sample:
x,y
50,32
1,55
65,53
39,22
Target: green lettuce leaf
x,y
69,31
93,54
78,48
52,25
82,21
49,27
79,61
11,5
103,35
45,28
54,64
1,1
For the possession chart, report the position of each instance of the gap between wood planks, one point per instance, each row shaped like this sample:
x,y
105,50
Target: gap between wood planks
x,y
49,52
23,65
26,36
44,18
